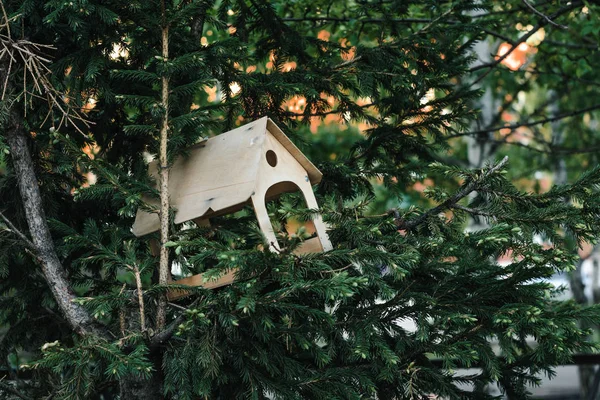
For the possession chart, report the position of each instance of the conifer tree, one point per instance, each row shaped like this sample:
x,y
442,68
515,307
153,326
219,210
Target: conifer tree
x,y
91,88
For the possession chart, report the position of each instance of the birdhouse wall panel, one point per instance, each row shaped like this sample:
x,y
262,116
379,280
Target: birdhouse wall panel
x,y
313,173
201,280
280,174
312,245
286,167
320,226
213,202
225,160
215,175
264,222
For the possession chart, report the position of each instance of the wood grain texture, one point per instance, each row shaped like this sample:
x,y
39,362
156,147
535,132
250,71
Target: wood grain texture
x,y
220,175
200,280
252,164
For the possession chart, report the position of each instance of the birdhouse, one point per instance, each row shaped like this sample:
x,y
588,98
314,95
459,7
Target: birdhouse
x,y
252,164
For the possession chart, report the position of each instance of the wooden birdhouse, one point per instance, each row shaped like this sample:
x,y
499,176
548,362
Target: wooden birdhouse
x,y
252,164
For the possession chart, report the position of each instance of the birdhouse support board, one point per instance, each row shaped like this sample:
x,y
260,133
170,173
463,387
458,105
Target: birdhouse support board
x,y
252,164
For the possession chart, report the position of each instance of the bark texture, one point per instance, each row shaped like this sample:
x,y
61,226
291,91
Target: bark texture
x,y
163,272
131,388
586,372
16,137
54,273
137,389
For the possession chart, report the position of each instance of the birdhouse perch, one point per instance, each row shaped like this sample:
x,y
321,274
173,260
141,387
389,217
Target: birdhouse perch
x,y
252,164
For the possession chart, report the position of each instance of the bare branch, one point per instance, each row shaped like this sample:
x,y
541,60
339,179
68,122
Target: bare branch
x,y
551,148
17,232
177,306
6,20
532,8
362,20
528,124
29,55
324,113
122,313
499,36
8,388
140,293
490,66
474,211
570,45
163,269
164,335
452,201
10,63
346,63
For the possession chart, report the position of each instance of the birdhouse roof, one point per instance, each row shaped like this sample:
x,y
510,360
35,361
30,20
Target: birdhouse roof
x,y
219,175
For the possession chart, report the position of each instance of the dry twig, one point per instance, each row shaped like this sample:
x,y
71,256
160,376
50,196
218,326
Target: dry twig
x,y
532,8
140,293
13,229
34,61
452,201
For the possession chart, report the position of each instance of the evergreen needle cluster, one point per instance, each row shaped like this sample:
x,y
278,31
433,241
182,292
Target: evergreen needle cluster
x,y
407,296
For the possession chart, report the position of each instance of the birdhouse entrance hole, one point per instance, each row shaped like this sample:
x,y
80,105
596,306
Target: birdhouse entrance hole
x,y
271,158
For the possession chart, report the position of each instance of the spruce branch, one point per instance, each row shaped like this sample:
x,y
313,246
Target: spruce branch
x,y
452,201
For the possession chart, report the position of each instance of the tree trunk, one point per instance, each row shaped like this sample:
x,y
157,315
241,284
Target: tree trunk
x,y
133,389
142,389
54,273
586,372
163,271
78,318
480,149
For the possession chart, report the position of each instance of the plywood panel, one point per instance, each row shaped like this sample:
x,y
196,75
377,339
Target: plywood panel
x,y
313,173
199,280
216,174
223,172
312,245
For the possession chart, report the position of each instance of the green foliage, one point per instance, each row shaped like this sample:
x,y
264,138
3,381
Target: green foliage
x,y
334,325
91,362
